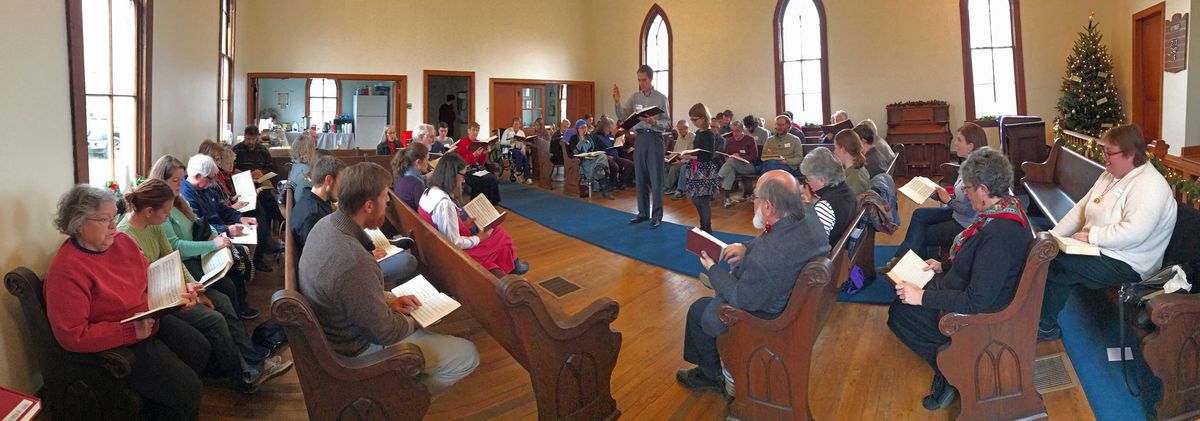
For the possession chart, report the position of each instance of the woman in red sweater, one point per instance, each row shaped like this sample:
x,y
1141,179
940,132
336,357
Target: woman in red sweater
x,y
98,278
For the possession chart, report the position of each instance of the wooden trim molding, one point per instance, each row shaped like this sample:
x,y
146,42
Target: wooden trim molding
x,y
470,91
399,97
1135,108
1018,58
78,101
657,10
221,57
778,47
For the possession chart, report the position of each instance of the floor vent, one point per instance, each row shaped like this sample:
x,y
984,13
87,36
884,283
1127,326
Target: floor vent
x,y
1053,373
559,286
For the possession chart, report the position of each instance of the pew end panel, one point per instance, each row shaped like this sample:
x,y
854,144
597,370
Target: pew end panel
x,y
990,355
949,172
1043,172
1173,353
572,180
545,168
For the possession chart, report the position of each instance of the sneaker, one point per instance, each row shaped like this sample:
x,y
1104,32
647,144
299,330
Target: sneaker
x,y
695,379
887,267
607,195
940,401
529,181
272,367
248,313
727,203
402,242
1049,334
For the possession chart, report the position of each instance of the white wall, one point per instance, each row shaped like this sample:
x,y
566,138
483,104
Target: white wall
x,y
184,98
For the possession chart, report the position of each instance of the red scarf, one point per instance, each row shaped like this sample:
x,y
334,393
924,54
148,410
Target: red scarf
x,y
1008,208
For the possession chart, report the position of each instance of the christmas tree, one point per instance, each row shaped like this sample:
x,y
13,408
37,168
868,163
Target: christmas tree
x,y
1089,102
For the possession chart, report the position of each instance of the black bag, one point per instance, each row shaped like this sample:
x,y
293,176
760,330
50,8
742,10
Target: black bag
x,y
201,231
269,335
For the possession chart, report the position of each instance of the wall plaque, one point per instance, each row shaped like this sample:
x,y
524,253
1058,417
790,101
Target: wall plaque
x,y
1175,44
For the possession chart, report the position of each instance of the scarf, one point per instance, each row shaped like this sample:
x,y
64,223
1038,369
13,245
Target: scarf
x,y
1008,208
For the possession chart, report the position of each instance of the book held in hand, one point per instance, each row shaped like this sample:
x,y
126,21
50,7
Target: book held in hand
x,y
434,304
592,154
1070,245
17,406
698,240
249,236
216,265
243,185
485,214
833,129
919,189
265,177
911,269
164,284
381,242
636,117
732,156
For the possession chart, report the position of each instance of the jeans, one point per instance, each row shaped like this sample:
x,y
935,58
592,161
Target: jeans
x,y
934,227
398,268
520,163
226,353
447,358
776,164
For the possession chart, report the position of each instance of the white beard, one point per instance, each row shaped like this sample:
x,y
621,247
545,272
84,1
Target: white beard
x,y
758,219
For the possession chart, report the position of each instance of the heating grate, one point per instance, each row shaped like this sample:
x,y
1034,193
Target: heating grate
x,y
1053,372
559,286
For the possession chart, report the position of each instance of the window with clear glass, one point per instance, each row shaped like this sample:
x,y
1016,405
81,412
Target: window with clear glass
x,y
322,100
112,101
656,50
531,106
992,68
225,67
801,61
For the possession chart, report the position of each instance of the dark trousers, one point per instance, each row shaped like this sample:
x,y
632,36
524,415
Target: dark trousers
x,y
487,185
703,206
620,171
234,289
929,227
1069,270
226,357
252,354
700,348
917,328
164,370
648,152
520,163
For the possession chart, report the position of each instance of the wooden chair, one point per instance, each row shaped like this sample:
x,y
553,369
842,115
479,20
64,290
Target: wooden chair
x,y
769,359
569,358
990,355
75,385
378,386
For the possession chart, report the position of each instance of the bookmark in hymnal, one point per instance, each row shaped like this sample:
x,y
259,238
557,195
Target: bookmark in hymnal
x,y
434,304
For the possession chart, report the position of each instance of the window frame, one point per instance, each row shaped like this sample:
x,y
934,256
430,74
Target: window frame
x,y
656,10
144,10
229,9
780,103
1014,8
337,94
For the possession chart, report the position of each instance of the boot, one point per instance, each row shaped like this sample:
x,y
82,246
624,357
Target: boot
x,y
887,267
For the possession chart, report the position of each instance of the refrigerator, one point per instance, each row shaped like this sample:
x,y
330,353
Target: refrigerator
x,y
370,120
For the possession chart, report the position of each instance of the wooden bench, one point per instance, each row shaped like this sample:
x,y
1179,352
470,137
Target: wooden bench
x,y
1023,139
572,182
569,358
381,385
1057,184
990,356
545,168
769,359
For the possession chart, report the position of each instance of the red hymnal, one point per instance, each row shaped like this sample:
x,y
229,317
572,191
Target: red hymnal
x,y
18,406
698,240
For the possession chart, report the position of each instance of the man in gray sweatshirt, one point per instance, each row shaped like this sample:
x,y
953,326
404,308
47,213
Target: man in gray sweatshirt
x,y
344,286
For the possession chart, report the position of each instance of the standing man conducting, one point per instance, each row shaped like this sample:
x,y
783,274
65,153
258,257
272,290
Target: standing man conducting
x,y
649,148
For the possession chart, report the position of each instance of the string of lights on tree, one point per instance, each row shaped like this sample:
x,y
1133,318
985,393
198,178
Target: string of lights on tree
x,y
1089,102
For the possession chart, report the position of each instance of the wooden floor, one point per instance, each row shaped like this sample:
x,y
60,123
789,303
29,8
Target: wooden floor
x,y
862,371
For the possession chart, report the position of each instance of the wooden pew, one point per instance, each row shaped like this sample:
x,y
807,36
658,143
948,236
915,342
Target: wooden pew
x,y
863,255
545,167
380,385
769,359
572,184
569,358
1023,140
1057,184
990,355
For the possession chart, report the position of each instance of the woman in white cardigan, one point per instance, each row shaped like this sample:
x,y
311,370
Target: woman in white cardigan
x,y
1129,214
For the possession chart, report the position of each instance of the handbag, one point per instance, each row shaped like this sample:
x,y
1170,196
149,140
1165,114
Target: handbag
x,y
1134,295
201,231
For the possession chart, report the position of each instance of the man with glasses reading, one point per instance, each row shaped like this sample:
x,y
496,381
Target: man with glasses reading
x,y
649,148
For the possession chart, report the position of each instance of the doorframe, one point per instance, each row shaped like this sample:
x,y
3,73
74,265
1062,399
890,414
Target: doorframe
x,y
399,97
470,91
510,81
1136,108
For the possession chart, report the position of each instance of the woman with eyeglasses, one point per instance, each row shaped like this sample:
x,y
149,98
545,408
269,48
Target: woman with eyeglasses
x,y
1129,214
207,200
440,206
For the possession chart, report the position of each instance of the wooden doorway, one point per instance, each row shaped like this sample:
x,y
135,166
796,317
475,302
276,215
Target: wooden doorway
x,y
529,99
1148,70
439,84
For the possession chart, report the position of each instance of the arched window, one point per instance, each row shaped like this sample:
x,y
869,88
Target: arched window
x,y
323,100
801,68
656,49
992,68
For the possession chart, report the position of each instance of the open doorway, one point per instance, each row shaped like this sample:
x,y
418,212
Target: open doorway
x,y
530,99
450,98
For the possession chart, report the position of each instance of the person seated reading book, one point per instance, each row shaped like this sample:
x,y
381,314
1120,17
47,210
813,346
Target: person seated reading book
x,y
677,168
782,151
593,161
936,227
314,204
235,357
411,169
99,277
439,206
759,276
339,278
207,199
443,140
834,119
251,156
743,158
479,179
832,200
620,168
1129,214
847,147
981,274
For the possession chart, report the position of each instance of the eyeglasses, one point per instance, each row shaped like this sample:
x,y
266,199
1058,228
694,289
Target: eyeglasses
x,y
104,221
1112,153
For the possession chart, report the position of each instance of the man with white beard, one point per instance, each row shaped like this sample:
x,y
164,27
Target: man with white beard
x,y
759,277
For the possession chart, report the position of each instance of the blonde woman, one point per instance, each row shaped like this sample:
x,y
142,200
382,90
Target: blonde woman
x,y
303,153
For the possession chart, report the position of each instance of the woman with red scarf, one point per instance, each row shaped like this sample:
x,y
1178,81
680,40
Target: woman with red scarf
x,y
981,274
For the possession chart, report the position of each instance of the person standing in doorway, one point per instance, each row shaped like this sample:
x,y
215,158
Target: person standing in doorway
x,y
649,148
447,116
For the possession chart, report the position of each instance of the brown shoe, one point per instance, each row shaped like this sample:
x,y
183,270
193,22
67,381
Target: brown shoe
x,y
887,267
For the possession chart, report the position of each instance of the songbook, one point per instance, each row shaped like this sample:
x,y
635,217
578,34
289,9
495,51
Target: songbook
x,y
698,240
591,154
381,242
249,236
477,144
1070,245
768,155
919,189
164,284
17,406
434,304
635,118
671,156
216,265
243,185
833,129
733,156
911,269
485,214
265,177
619,143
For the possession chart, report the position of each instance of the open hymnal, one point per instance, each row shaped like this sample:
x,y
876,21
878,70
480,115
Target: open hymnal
x,y
243,185
164,284
671,156
592,154
733,156
911,269
1070,245
635,118
381,242
698,240
768,155
249,236
618,143
833,129
215,264
486,216
919,189
434,304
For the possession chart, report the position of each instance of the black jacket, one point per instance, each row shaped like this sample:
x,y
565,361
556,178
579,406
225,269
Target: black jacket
x,y
984,276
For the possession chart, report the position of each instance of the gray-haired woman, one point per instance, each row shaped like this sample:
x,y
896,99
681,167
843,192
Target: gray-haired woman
x,y
834,201
980,276
98,278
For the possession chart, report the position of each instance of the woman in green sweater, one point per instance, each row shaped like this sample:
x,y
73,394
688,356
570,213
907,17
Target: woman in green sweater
x,y
233,354
182,228
847,147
